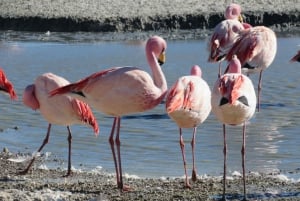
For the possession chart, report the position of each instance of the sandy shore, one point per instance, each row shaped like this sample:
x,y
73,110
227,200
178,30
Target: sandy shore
x,y
141,15
51,185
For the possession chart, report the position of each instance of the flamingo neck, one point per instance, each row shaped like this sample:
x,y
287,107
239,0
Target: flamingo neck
x,y
157,74
196,70
235,65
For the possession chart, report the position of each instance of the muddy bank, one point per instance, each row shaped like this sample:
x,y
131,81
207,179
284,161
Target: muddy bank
x,y
42,185
116,16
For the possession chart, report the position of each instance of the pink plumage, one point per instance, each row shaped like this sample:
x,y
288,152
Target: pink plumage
x,y
233,102
225,33
61,110
188,105
121,91
256,49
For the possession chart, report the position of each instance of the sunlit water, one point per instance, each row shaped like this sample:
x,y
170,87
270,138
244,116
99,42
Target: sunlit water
x,y
149,140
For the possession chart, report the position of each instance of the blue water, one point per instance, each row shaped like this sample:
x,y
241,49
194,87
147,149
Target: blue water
x,y
149,140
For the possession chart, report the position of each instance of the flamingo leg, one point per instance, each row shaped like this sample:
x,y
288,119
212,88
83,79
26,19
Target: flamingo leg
x,y
243,151
225,159
70,148
259,87
46,140
111,142
220,70
193,142
181,143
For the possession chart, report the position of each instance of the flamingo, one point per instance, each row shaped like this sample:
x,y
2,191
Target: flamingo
x,y
296,57
233,102
6,86
256,48
225,34
119,91
188,104
61,110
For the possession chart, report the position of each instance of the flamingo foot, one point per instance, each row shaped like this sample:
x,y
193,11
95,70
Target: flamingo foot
x,y
69,173
188,186
126,188
194,175
23,172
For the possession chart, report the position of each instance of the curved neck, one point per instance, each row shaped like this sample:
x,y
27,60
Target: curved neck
x,y
157,74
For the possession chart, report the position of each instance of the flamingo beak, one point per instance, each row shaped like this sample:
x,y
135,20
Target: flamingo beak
x,y
162,58
240,19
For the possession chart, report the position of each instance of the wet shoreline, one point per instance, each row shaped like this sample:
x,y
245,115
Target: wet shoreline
x,y
41,184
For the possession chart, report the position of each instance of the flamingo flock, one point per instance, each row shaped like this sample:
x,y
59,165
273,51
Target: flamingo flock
x,y
119,91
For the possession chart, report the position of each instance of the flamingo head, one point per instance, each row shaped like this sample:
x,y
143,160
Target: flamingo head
x,y
29,98
234,65
157,46
233,11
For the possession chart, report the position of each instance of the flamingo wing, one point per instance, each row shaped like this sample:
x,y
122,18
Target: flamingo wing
x,y
244,47
78,86
180,96
85,114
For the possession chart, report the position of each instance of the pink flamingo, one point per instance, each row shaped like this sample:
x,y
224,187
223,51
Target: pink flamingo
x,y
61,110
6,86
296,57
188,104
256,49
233,102
120,91
225,34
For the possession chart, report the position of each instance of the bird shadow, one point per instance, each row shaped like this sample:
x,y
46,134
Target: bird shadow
x,y
257,196
147,116
269,105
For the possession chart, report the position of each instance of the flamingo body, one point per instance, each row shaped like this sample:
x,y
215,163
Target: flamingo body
x,y
123,90
61,110
225,33
239,110
111,91
222,39
188,101
256,47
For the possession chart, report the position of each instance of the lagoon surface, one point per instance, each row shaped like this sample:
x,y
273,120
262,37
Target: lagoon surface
x,y
150,140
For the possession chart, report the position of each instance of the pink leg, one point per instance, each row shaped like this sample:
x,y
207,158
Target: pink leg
x,y
118,163
259,90
193,142
46,140
111,141
220,70
243,151
70,148
181,142
225,159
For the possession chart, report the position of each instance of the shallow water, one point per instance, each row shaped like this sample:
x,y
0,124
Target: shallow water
x,y
150,145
